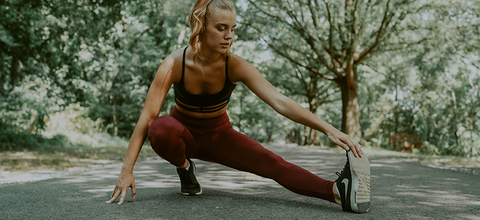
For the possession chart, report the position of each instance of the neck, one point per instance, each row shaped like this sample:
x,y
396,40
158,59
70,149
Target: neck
x,y
208,56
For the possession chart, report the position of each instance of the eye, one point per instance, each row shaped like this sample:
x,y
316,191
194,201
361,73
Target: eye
x,y
221,28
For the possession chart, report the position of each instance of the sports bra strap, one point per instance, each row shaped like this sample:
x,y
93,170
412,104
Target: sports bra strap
x,y
183,63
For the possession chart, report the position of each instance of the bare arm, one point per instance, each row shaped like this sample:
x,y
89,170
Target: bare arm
x,y
153,103
249,75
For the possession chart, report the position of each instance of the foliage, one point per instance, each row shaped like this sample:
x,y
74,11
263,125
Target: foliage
x,y
431,100
414,65
331,39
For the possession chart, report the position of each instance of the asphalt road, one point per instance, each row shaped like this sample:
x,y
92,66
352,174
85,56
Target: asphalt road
x,y
400,190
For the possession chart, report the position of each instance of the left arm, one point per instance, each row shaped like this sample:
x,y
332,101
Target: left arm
x,y
244,72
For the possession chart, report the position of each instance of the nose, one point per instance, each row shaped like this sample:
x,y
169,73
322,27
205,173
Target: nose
x,y
229,35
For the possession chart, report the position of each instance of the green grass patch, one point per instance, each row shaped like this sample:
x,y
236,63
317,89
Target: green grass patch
x,y
25,151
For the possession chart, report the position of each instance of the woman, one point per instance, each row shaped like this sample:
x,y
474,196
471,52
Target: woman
x,y
204,76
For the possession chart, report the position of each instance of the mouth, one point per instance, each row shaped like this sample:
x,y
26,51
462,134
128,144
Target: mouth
x,y
225,45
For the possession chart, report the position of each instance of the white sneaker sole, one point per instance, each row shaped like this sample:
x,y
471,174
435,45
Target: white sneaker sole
x,y
193,194
360,170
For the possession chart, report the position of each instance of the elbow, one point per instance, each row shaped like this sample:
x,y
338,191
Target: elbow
x,y
148,118
280,104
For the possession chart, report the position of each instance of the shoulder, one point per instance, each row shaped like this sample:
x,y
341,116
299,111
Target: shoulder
x,y
172,65
175,57
239,68
236,61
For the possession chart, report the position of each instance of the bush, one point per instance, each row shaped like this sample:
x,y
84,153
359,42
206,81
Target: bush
x,y
429,148
18,141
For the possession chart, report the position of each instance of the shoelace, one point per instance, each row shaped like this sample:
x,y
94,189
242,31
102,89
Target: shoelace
x,y
191,177
193,180
340,173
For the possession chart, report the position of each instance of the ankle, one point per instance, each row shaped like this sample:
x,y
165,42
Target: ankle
x,y
185,165
336,194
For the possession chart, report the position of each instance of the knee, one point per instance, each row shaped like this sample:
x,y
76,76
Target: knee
x,y
273,164
164,127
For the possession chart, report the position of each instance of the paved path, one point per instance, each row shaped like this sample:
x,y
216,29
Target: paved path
x,y
400,190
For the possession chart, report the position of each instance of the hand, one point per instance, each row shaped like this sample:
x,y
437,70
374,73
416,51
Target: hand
x,y
125,181
346,142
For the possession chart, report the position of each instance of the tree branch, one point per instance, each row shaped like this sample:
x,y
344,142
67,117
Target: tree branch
x,y
300,78
330,38
471,63
270,15
362,26
314,14
308,39
406,45
292,15
311,69
134,42
354,32
364,54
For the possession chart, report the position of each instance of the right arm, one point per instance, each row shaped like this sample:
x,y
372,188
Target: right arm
x,y
155,97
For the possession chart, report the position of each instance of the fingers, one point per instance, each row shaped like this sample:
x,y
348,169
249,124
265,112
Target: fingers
x,y
115,196
122,198
356,148
114,190
134,191
359,148
338,142
347,143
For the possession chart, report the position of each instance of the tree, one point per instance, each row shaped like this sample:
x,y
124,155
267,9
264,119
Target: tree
x,y
335,35
431,99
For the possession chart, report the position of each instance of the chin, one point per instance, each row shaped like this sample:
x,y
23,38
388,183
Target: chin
x,y
221,50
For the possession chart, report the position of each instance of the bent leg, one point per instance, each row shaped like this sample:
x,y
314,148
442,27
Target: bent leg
x,y
240,152
171,140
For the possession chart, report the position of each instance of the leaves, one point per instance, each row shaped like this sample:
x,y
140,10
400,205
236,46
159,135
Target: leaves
x,y
414,66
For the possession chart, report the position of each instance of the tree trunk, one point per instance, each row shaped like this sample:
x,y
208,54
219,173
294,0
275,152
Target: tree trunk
x,y
472,118
114,117
396,116
305,135
350,107
14,71
313,138
313,102
455,124
269,131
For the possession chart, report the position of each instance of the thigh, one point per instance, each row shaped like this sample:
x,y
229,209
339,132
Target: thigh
x,y
171,140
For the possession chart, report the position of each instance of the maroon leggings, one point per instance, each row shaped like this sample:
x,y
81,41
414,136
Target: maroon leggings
x,y
178,136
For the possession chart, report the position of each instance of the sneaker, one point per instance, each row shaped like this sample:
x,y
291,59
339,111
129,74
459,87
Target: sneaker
x,y
353,184
190,185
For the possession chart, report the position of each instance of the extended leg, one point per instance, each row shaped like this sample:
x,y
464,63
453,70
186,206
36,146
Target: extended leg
x,y
233,149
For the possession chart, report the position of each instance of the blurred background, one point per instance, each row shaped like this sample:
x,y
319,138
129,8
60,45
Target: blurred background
x,y
400,75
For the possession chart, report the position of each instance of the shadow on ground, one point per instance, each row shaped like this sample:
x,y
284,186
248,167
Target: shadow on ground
x,y
400,190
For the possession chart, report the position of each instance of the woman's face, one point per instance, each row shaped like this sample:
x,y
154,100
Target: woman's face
x,y
218,34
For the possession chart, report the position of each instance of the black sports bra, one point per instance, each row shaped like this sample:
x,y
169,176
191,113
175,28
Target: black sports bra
x,y
202,103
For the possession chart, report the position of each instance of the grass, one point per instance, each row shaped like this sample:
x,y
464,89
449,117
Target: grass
x,y
27,160
83,155
463,164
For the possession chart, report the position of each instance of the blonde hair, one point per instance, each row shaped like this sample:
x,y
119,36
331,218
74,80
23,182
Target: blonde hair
x,y
198,20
